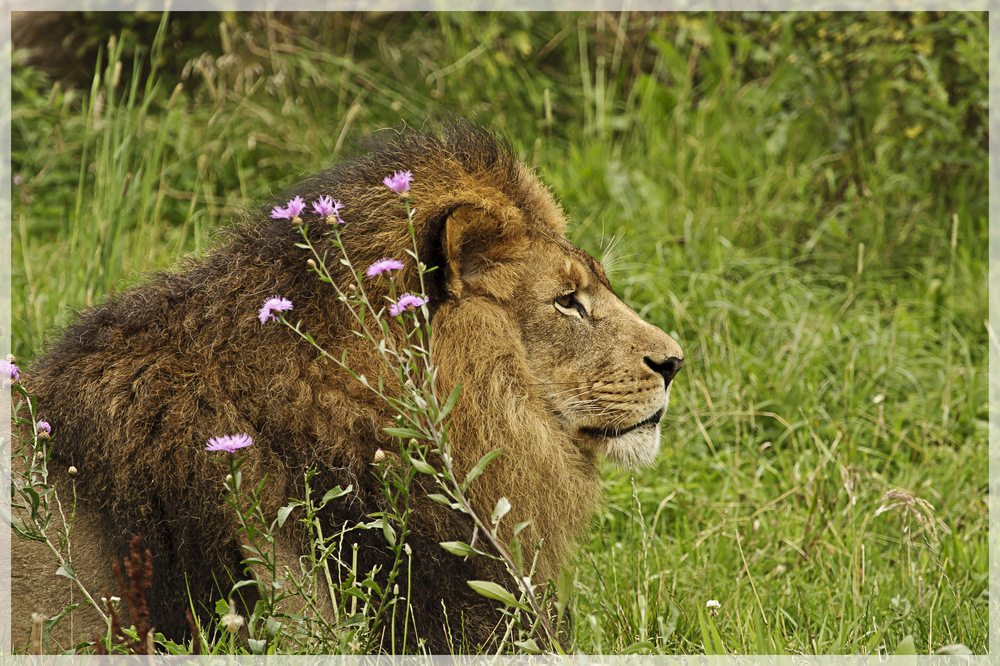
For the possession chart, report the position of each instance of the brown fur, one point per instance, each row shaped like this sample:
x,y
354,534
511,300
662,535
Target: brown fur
x,y
137,386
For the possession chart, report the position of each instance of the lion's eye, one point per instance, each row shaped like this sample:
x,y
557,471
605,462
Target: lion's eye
x,y
569,304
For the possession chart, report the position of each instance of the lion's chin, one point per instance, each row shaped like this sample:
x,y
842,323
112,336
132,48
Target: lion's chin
x,y
635,448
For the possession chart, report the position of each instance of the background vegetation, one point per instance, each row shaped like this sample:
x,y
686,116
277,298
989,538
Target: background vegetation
x,y
799,199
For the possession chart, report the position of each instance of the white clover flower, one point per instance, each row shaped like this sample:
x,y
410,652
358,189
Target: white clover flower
x,y
231,621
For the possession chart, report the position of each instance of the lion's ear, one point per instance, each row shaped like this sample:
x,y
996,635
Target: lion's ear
x,y
483,250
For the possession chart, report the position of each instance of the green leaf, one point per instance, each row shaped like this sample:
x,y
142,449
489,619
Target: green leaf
x,y
515,551
403,433
459,548
641,646
334,493
370,584
389,532
491,590
20,530
67,571
480,466
564,589
53,621
500,510
271,628
441,499
222,606
283,514
668,627
906,647
422,467
711,641
449,404
237,586
529,646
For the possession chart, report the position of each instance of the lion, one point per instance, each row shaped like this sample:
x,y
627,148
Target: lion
x,y
553,368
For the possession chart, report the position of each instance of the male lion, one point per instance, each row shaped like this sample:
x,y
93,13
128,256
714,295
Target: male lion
x,y
554,369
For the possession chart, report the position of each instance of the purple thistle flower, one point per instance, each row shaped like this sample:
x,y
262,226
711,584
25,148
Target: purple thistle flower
x,y
229,443
406,302
44,429
324,206
384,266
399,182
295,206
328,208
272,305
9,371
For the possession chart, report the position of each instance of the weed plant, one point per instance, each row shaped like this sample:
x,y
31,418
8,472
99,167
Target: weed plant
x,y
799,199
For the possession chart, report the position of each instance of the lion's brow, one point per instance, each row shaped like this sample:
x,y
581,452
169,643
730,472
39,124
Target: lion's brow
x,y
595,267
581,255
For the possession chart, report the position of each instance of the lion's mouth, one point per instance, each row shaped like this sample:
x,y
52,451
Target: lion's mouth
x,y
609,432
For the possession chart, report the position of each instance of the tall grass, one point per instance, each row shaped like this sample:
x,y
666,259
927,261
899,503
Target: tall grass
x,y
799,199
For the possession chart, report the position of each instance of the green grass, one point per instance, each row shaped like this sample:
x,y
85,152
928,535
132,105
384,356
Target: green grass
x,y
800,199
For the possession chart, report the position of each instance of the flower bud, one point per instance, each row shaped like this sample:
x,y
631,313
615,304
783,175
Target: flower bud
x,y
72,470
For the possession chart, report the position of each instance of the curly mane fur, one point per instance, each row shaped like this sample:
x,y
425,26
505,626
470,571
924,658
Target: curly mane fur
x,y
136,387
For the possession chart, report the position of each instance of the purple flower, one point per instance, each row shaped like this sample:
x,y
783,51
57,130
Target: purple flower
x,y
327,207
295,206
383,266
9,371
406,302
399,182
272,305
229,443
44,429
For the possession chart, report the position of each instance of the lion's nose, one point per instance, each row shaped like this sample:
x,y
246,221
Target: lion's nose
x,y
666,369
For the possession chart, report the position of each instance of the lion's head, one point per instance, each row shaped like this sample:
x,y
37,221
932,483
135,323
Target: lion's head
x,y
554,369
602,372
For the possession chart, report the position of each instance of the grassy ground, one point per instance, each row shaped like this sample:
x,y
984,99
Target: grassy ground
x,y
800,200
